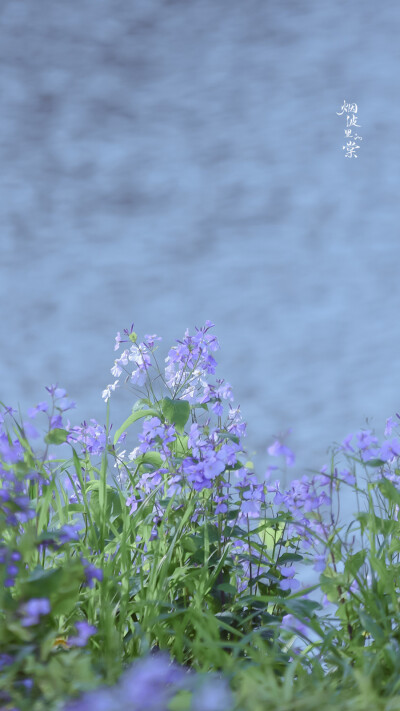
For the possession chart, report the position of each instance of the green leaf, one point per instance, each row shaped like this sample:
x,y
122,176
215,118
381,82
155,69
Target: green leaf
x,y
111,505
56,436
374,463
227,588
132,418
302,608
389,491
354,562
176,412
60,585
288,558
371,626
139,404
224,434
190,544
151,458
180,446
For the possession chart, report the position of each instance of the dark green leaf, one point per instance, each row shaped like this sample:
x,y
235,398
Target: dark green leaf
x,y
176,412
227,588
371,626
354,563
56,436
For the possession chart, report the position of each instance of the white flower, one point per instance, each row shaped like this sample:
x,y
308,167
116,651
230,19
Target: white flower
x,y
121,455
135,352
135,453
107,392
116,370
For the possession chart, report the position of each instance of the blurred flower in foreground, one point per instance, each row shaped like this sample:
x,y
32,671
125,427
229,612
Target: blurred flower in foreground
x,y
33,609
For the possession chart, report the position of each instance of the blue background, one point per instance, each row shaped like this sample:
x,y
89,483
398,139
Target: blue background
x,y
171,162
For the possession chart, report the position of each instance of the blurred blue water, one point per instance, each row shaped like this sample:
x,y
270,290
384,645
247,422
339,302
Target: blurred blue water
x,y
165,163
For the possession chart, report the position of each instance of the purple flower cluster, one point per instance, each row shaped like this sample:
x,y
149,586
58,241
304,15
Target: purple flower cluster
x,y
65,534
93,437
367,445
211,455
92,573
14,502
10,559
33,610
155,434
189,363
151,683
140,355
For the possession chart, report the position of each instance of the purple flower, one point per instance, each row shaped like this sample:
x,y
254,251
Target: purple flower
x,y
289,622
41,407
84,632
55,391
278,449
92,573
142,360
12,570
30,430
150,340
56,422
213,695
192,354
390,449
66,404
366,443
133,503
320,563
347,476
69,532
33,609
289,583
148,685
5,660
93,437
118,340
346,443
10,453
151,682
391,424
288,572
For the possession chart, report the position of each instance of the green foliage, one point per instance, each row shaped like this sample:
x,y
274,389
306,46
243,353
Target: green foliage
x,y
149,567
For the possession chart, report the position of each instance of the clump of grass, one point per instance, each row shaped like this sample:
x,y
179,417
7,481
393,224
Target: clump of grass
x,y
168,575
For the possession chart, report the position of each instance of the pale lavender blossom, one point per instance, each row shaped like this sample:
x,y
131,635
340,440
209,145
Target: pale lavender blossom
x,y
391,424
347,476
92,573
320,563
116,370
150,340
33,610
85,631
30,430
278,449
213,695
390,449
291,623
41,407
118,340
289,582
